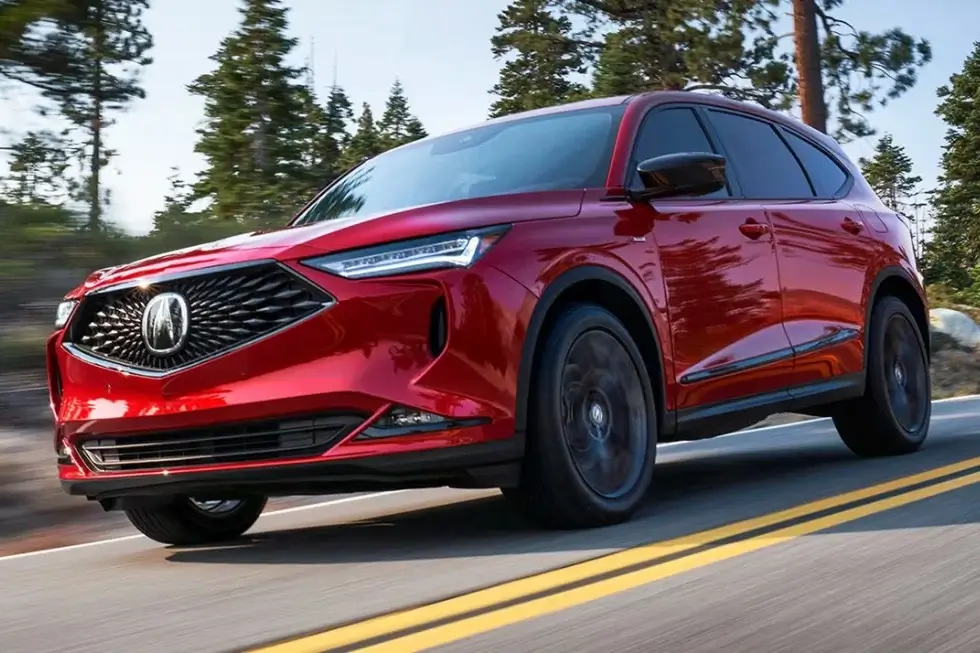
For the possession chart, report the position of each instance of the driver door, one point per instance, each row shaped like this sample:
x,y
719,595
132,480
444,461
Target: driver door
x,y
718,266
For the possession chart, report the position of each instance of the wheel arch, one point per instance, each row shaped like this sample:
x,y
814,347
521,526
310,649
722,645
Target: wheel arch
x,y
604,287
897,282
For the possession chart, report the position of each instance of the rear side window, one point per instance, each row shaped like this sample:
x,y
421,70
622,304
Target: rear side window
x,y
670,131
825,174
766,167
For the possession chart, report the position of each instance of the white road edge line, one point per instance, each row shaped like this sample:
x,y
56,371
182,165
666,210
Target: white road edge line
x,y
271,513
375,495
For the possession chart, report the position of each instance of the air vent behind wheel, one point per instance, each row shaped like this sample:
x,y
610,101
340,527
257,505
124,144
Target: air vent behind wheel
x,y
438,327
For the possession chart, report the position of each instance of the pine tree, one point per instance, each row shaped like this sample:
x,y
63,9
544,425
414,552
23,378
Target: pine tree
x,y
723,46
315,145
29,40
338,116
851,69
256,117
38,171
176,213
366,141
952,256
806,41
416,130
731,47
90,63
324,136
542,52
890,174
179,224
397,125
616,72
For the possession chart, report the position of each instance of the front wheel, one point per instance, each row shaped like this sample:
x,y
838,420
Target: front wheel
x,y
592,428
892,418
186,521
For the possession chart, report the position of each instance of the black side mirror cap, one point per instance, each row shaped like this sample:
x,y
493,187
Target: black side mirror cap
x,y
688,174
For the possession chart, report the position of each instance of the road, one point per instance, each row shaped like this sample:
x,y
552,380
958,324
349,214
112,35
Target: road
x,y
890,569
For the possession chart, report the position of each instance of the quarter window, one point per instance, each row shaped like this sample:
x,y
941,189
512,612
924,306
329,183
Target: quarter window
x,y
766,167
825,174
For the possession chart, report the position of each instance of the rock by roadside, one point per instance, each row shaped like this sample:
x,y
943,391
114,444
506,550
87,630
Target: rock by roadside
x,y
955,368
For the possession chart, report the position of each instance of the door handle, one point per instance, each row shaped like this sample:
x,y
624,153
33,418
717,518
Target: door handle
x,y
852,226
753,228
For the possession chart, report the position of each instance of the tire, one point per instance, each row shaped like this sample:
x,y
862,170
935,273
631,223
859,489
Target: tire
x,y
892,418
610,409
185,522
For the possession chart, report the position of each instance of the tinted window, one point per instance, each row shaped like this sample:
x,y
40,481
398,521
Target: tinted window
x,y
670,132
826,176
766,167
557,151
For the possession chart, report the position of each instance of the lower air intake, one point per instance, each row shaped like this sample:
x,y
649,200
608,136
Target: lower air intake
x,y
270,440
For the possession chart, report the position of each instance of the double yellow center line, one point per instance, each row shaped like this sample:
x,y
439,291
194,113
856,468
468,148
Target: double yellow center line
x,y
453,619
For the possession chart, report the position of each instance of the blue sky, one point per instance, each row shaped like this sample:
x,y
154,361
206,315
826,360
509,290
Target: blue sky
x,y
440,51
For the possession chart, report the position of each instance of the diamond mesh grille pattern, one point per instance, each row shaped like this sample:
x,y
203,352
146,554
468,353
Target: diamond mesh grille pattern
x,y
227,310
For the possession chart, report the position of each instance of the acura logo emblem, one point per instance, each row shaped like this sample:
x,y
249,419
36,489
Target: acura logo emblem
x,y
166,319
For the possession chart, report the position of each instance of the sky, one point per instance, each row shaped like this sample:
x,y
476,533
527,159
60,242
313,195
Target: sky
x,y
440,50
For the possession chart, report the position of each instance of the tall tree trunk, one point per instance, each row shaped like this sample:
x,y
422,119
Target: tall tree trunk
x,y
95,196
807,43
95,182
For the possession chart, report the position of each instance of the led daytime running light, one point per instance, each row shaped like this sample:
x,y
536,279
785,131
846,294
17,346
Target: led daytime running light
x,y
457,250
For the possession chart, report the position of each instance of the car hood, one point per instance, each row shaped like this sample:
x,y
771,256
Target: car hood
x,y
290,243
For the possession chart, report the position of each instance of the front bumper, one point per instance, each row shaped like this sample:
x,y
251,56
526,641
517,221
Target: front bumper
x,y
479,465
370,351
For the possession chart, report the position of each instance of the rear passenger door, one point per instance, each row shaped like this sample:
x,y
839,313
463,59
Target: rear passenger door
x,y
720,278
821,245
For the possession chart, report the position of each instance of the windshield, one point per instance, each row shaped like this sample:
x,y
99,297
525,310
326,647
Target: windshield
x,y
559,151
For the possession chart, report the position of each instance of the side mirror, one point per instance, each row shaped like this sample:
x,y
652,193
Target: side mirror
x,y
675,175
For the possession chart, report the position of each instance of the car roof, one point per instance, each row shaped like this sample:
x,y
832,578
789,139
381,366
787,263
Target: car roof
x,y
663,97
562,108
652,98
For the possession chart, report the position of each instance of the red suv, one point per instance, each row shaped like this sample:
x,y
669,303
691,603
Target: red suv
x,y
530,304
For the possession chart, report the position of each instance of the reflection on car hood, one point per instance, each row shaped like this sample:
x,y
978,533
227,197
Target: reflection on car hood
x,y
291,243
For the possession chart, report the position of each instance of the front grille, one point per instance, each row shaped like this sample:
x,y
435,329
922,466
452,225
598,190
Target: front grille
x,y
270,440
226,309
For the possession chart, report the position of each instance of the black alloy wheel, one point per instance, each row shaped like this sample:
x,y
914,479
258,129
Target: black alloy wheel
x,y
592,429
604,415
893,416
905,372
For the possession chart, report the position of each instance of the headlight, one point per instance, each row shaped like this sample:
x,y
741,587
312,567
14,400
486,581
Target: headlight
x,y
64,313
456,250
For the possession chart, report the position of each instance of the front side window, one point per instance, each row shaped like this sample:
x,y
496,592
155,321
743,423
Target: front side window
x,y
560,151
670,131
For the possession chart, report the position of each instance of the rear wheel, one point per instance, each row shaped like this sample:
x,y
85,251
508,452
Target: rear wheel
x,y
892,418
186,521
592,429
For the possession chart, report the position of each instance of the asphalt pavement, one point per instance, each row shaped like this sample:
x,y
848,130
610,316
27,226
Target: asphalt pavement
x,y
777,539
